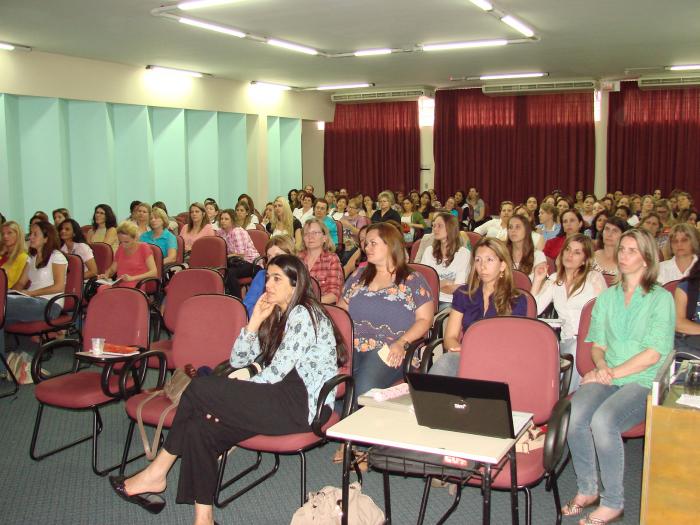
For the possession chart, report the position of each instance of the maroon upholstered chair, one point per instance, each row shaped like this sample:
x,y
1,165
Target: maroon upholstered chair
x,y
72,300
259,238
414,251
297,444
473,238
182,286
3,304
209,252
531,303
610,280
207,325
316,288
521,280
671,286
120,316
551,266
431,278
584,361
104,255
180,254
340,247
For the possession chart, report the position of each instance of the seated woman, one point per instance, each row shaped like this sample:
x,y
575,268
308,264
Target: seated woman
x,y
306,211
632,332
142,216
104,227
571,224
341,208
597,228
255,215
211,209
489,292
385,211
605,258
574,284
290,331
411,221
359,258
43,277
197,225
240,251
13,254
243,217
448,257
683,240
172,223
133,260
283,222
688,313
277,245
521,248
59,215
391,307
319,257
73,242
549,226
161,236
497,228
267,214
352,223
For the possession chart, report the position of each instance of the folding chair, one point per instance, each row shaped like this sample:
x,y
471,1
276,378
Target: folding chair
x,y
3,303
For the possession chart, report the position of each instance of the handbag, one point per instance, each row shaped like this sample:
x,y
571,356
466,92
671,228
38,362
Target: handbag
x,y
324,508
173,390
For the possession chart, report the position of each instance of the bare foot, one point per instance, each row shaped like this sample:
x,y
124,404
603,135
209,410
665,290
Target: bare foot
x,y
605,514
144,482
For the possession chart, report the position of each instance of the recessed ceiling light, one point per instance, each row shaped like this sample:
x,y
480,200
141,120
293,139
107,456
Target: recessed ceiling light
x,y
201,4
212,27
512,75
372,52
688,67
463,45
292,47
270,85
171,71
344,86
518,25
483,4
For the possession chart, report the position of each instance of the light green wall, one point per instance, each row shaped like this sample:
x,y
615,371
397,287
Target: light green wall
x,y
284,155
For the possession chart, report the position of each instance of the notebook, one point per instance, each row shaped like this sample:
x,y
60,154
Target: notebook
x,y
462,405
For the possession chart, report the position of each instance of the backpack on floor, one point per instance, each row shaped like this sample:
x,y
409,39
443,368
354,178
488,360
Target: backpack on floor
x,y
324,508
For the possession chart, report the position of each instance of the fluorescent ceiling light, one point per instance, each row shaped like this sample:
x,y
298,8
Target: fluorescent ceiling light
x,y
269,85
6,47
171,71
689,67
292,47
518,25
344,86
464,45
212,27
513,75
372,52
201,4
483,4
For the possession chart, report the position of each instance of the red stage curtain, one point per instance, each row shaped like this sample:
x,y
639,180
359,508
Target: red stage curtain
x,y
373,147
654,140
513,146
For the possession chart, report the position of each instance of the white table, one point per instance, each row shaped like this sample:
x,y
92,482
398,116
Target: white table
x,y
378,426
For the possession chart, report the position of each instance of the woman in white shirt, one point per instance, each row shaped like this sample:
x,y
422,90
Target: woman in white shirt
x,y
73,242
497,228
521,247
43,278
450,259
683,240
306,211
574,284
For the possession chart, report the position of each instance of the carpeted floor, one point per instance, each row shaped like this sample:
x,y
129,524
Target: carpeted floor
x,y
62,488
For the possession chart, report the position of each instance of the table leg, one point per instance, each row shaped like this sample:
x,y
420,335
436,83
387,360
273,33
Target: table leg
x,y
486,495
347,459
513,487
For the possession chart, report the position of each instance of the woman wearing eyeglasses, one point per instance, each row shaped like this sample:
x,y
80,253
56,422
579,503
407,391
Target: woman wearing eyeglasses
x,y
319,257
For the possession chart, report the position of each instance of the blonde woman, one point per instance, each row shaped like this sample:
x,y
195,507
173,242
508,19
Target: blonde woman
x,y
283,222
13,252
319,257
197,225
683,240
142,217
133,260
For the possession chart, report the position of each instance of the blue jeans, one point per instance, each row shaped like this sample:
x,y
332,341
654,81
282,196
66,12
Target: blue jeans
x,y
446,365
369,371
23,309
599,415
568,346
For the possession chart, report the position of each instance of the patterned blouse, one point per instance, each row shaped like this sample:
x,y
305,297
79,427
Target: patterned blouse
x,y
384,315
327,271
238,241
311,352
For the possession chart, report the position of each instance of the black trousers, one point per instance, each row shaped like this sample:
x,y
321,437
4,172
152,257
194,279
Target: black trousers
x,y
235,271
243,409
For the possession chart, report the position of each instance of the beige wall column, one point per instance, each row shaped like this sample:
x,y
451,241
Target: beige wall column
x,y
312,156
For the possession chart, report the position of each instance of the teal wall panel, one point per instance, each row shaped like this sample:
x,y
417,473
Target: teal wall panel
x,y
170,158
274,159
290,154
202,155
233,157
11,203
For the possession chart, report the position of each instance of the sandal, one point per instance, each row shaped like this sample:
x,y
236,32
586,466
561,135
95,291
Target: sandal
x,y
592,520
574,509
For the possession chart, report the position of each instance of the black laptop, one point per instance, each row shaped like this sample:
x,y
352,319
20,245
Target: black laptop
x,y
462,405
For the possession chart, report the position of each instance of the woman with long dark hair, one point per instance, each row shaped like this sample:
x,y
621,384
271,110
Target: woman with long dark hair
x,y
521,246
571,224
104,226
73,242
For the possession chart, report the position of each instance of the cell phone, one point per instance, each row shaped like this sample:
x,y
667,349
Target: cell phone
x,y
384,354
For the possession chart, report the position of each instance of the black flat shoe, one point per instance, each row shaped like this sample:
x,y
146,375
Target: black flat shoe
x,y
153,503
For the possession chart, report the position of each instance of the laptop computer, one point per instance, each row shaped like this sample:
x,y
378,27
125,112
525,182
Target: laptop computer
x,y
462,405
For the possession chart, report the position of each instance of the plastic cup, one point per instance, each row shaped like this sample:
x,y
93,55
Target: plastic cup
x,y
98,345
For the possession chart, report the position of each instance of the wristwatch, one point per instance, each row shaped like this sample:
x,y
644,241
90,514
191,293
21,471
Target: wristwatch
x,y
406,345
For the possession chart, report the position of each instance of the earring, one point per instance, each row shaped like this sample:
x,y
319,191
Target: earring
x,y
501,275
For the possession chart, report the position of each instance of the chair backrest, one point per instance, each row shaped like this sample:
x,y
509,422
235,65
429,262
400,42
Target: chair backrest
x,y
104,255
551,266
521,352
343,322
151,287
316,288
3,296
259,238
432,278
671,286
521,280
74,282
339,228
473,238
180,253
120,315
531,303
206,328
610,280
85,229
208,252
186,284
584,361
414,251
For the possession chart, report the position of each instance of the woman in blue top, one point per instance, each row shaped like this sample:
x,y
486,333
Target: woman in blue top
x,y
277,245
632,332
295,340
161,236
489,292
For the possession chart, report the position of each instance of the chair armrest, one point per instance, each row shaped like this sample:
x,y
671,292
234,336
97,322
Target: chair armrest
x,y
427,358
52,301
555,438
142,361
326,389
438,322
143,282
411,354
568,371
73,344
171,269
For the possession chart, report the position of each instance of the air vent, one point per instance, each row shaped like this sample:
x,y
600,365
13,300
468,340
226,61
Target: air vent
x,y
668,82
539,87
412,93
